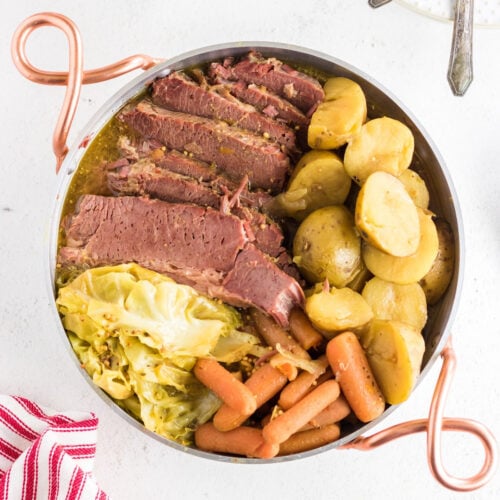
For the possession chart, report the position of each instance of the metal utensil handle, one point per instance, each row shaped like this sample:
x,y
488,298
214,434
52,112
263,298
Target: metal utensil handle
x,y
377,3
460,72
74,77
434,425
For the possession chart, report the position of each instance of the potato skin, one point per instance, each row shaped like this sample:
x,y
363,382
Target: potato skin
x,y
394,351
436,281
327,246
337,310
390,301
383,144
416,188
339,117
318,180
359,281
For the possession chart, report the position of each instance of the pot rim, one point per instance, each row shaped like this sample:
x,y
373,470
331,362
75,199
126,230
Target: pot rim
x,y
135,86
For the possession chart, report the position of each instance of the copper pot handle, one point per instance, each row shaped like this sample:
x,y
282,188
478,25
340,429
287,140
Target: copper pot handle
x,y
434,426
74,77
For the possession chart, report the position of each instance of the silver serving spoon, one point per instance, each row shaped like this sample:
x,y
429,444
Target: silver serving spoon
x,y
460,72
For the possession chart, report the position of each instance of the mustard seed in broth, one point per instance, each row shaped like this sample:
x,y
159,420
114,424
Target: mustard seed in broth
x,y
89,176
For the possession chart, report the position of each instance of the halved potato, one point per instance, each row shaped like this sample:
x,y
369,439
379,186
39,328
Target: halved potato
x,y
359,281
386,216
404,270
416,188
383,144
394,351
327,246
404,303
436,281
318,180
339,117
335,310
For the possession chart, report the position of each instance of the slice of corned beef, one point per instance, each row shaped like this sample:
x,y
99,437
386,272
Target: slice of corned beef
x,y
268,235
178,92
300,89
181,163
194,245
267,102
237,152
153,233
263,284
186,165
144,177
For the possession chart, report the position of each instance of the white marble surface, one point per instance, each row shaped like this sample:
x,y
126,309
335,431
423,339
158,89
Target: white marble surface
x,y
408,54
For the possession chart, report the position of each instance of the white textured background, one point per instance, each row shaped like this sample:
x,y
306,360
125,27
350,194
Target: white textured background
x,y
408,54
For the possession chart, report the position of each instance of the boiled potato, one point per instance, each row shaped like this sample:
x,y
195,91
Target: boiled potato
x,y
436,281
404,303
359,281
383,144
394,351
327,246
318,180
339,117
386,216
404,270
416,188
333,310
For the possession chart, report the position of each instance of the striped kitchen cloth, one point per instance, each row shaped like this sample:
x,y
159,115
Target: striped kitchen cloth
x,y
45,454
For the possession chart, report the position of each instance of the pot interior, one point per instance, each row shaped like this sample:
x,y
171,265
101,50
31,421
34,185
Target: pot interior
x,y
427,162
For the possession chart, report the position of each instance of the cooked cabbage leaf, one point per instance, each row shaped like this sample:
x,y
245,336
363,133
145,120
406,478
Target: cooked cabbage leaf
x,y
138,335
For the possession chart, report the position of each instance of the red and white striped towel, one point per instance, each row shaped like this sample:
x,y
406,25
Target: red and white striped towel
x,y
45,454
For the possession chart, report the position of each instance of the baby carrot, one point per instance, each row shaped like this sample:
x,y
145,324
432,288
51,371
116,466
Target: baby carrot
x,y
225,385
274,334
353,373
303,331
244,441
310,439
264,383
283,426
303,384
267,450
334,412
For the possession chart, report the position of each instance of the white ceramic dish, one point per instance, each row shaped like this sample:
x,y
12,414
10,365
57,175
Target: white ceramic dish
x,y
486,12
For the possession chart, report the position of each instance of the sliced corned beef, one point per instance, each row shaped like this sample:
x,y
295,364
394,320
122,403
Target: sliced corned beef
x,y
197,246
186,165
239,153
153,233
300,89
262,283
144,177
265,101
178,92
268,235
181,163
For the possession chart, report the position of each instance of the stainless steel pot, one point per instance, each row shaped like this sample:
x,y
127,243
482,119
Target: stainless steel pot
x,y
427,161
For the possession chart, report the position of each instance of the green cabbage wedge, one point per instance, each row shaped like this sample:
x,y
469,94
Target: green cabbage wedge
x,y
138,334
